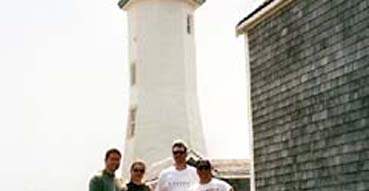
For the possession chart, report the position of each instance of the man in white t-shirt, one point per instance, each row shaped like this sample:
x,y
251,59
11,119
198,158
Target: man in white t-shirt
x,y
179,177
207,181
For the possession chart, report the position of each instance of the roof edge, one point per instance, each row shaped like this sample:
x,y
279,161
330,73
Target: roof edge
x,y
265,10
122,3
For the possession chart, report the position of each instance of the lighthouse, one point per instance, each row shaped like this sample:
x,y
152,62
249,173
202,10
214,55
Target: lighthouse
x,y
163,93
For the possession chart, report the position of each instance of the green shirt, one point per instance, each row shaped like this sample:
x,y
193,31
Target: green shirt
x,y
103,182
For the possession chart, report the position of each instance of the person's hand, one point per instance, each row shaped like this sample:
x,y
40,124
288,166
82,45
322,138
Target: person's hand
x,y
120,184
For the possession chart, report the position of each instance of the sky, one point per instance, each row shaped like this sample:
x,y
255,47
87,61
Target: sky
x,y
64,87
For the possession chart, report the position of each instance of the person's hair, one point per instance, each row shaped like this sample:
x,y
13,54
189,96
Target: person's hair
x,y
138,162
179,143
111,151
203,162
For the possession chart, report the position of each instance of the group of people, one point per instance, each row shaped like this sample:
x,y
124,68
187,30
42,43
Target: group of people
x,y
179,177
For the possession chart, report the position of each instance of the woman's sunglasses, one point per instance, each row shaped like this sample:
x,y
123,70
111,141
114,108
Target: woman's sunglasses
x,y
138,170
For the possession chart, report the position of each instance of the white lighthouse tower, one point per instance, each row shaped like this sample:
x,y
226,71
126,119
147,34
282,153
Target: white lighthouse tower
x,y
163,100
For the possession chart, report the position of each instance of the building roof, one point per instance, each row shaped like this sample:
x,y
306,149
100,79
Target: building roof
x,y
262,6
231,168
123,3
267,8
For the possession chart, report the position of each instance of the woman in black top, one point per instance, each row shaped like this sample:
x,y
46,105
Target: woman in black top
x,y
137,173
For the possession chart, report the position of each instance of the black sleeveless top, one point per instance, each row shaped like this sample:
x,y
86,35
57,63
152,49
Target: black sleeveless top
x,y
134,187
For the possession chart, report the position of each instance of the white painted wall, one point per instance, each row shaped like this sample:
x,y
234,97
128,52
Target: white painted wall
x,y
165,93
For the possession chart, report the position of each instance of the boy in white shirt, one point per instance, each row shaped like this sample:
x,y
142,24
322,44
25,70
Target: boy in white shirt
x,y
207,181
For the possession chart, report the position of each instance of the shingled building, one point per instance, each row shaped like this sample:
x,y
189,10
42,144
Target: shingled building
x,y
308,63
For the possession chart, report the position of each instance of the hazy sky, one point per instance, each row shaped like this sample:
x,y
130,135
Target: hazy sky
x,y
64,87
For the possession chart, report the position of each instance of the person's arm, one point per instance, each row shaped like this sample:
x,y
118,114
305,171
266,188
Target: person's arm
x,y
95,184
149,188
160,185
228,187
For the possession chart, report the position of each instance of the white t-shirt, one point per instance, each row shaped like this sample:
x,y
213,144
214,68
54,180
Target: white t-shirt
x,y
213,185
172,179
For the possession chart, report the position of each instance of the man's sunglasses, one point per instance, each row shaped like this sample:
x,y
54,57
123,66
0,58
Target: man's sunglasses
x,y
178,152
139,170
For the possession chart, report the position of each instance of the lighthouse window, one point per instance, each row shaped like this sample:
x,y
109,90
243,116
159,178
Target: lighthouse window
x,y
133,74
131,123
189,24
